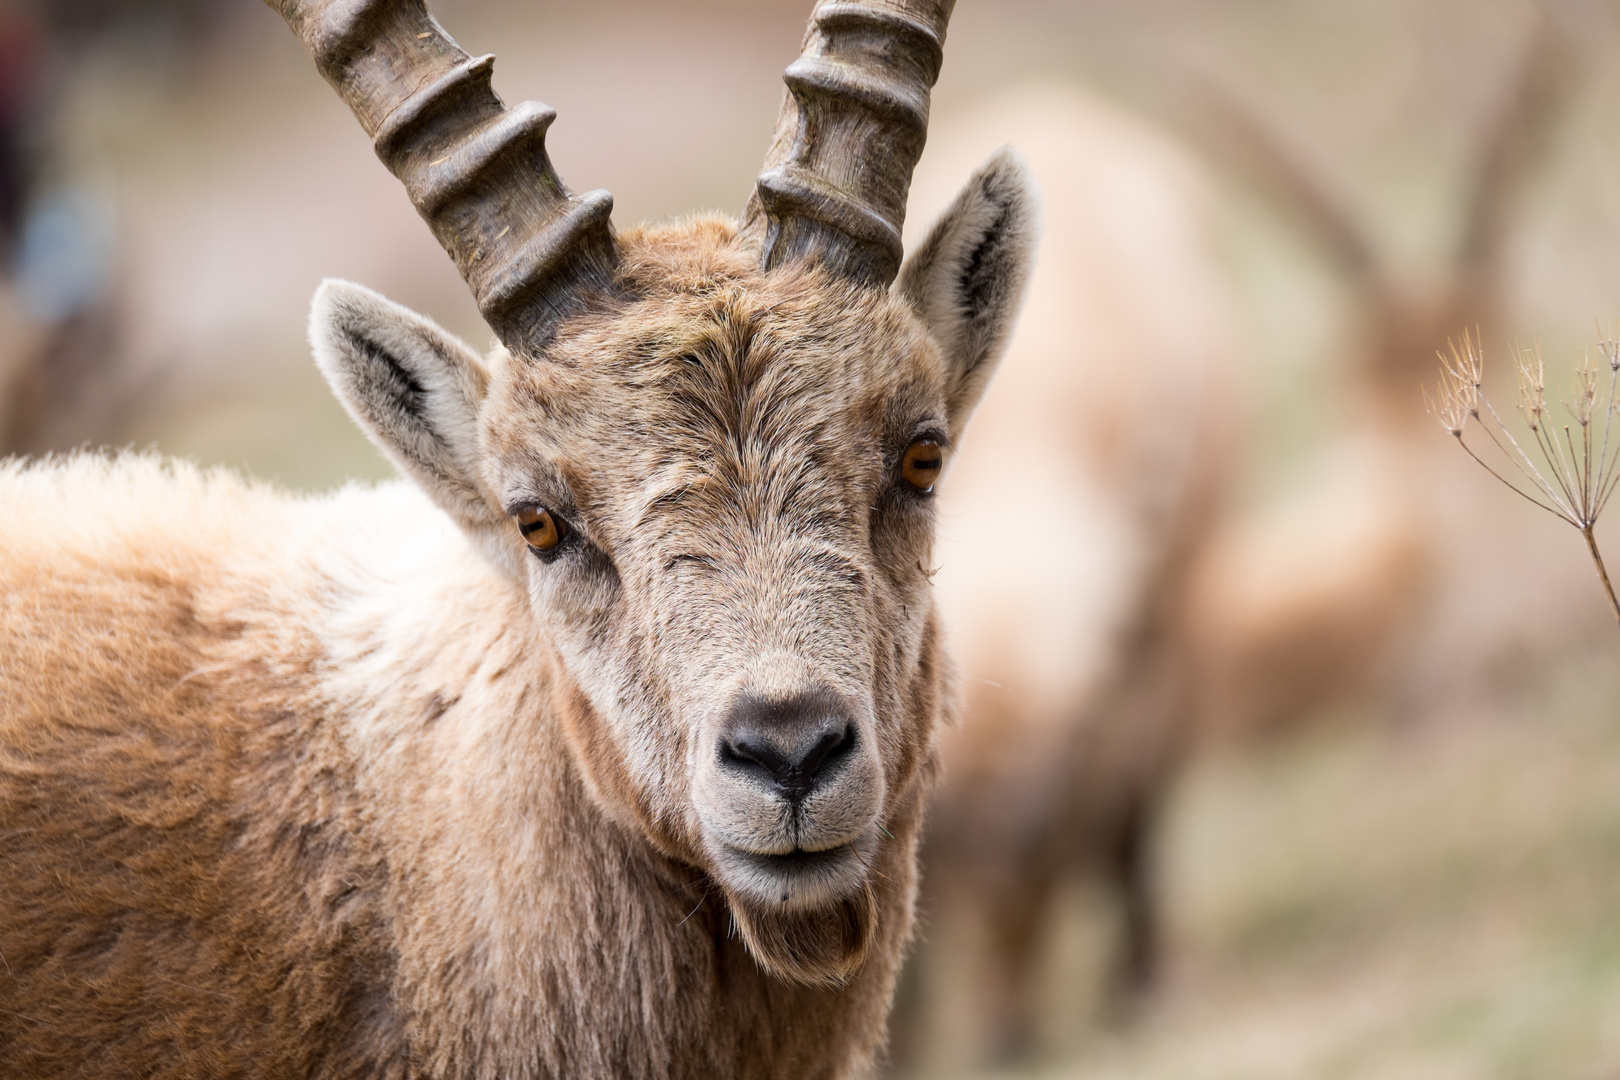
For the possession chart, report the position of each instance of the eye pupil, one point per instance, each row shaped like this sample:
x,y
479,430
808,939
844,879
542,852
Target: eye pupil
x,y
540,528
922,463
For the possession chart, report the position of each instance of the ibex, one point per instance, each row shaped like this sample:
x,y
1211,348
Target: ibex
x,y
1342,594
1103,446
599,751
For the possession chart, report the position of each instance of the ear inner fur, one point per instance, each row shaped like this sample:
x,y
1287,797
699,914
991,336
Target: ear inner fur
x,y
967,278
413,388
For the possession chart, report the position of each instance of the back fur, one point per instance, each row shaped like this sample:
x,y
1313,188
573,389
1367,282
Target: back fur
x,y
154,626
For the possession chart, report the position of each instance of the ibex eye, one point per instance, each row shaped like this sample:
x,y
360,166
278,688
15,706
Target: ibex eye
x,y
542,529
922,464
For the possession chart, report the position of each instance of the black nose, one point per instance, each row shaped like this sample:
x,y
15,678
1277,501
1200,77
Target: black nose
x,y
793,743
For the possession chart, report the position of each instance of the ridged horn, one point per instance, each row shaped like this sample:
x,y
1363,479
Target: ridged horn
x,y
853,122
477,171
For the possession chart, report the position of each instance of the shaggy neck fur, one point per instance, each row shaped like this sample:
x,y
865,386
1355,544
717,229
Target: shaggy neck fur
x,y
379,741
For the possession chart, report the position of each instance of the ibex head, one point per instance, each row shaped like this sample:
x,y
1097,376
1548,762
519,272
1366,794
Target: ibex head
x,y
707,453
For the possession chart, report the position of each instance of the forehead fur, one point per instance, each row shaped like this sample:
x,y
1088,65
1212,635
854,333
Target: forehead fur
x,y
704,366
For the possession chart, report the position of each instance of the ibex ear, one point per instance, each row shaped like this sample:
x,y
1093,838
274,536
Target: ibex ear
x,y
413,389
967,279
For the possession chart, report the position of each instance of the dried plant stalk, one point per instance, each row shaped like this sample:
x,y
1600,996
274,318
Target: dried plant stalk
x,y
1577,471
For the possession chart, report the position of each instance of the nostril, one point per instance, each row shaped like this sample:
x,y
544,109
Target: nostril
x,y
748,749
831,746
794,771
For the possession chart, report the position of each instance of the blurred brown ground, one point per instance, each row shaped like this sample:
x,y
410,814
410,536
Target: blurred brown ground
x,y
1438,899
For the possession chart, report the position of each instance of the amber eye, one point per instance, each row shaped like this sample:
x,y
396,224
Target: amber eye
x,y
922,463
542,529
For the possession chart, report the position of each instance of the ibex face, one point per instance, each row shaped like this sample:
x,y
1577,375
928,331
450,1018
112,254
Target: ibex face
x,y
708,454
741,593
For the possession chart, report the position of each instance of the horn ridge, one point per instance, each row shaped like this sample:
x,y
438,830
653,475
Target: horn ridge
x,y
855,118
477,172
438,183
923,34
809,77
788,191
463,84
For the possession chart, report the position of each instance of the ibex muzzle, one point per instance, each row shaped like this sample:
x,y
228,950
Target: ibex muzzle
x,y
793,746
791,799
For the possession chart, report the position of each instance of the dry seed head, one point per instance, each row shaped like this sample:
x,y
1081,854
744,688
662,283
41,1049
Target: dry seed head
x,y
1583,389
1532,384
1457,395
1609,344
1467,362
1451,406
1581,471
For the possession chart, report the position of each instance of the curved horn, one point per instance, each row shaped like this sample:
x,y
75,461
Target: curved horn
x,y
477,171
852,127
1515,142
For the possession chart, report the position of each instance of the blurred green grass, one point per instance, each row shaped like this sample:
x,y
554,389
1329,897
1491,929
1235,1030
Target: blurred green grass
x,y
288,429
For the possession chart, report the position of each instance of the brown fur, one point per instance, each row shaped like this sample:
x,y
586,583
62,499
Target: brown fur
x,y
348,786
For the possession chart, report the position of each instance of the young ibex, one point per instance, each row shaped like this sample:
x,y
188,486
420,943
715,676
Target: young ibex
x,y
1105,445
600,751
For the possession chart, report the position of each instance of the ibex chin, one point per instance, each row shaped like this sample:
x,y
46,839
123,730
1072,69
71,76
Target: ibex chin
x,y
601,750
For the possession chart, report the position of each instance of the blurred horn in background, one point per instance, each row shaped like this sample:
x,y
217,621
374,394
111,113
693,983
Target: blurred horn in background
x,y
1339,593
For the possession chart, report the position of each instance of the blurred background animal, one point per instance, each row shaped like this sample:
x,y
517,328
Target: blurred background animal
x,y
1364,584
1109,617
1067,536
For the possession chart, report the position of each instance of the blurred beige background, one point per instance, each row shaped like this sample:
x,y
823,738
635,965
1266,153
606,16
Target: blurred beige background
x,y
1394,892
237,181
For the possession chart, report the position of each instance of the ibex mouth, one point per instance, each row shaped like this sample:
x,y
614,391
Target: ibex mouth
x,y
796,880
